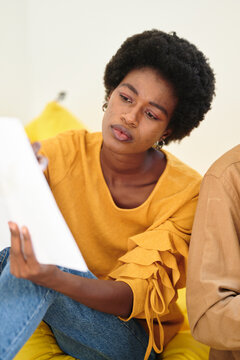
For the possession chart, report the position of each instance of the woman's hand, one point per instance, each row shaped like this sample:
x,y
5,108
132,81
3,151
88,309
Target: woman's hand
x,y
113,297
42,160
23,263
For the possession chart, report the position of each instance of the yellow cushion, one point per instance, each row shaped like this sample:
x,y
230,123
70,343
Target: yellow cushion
x,y
184,347
53,120
181,302
42,346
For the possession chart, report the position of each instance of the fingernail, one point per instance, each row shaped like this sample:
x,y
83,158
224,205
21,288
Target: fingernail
x,y
24,231
43,162
10,225
36,146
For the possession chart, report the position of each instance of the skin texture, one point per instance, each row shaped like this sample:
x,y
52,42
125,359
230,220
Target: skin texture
x,y
130,169
138,114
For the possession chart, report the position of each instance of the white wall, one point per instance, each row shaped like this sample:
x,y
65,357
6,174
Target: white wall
x,y
52,45
14,90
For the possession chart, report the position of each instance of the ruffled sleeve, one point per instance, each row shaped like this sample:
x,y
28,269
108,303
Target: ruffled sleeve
x,y
155,267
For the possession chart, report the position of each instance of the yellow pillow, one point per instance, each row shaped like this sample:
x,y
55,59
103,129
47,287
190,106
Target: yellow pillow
x,y
42,346
53,120
184,347
181,302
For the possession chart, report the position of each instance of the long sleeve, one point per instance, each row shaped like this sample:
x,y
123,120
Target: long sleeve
x,y
155,267
213,282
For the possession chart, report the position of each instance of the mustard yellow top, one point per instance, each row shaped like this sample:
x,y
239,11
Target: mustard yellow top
x,y
146,247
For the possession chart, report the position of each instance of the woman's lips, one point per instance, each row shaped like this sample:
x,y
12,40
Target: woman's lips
x,y
121,133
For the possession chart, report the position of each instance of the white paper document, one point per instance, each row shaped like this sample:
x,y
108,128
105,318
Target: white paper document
x,y
25,198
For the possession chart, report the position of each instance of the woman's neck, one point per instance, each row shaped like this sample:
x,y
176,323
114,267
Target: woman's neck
x,y
131,167
131,178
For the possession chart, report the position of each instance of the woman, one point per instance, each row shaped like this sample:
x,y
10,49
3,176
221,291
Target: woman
x,y
130,207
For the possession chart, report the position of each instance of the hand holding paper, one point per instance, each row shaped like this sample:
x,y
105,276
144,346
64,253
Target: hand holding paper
x,y
23,261
26,199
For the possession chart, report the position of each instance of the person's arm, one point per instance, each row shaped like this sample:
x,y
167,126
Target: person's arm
x,y
154,267
213,281
103,295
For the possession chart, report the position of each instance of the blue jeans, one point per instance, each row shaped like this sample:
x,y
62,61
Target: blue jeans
x,y
81,332
4,254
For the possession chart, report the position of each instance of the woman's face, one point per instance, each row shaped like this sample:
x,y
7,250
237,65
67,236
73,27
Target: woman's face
x,y
138,112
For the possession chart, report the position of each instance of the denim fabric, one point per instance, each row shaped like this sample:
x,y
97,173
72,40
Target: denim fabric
x,y
4,254
82,332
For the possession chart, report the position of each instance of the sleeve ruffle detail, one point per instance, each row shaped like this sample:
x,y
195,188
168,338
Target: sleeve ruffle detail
x,y
154,267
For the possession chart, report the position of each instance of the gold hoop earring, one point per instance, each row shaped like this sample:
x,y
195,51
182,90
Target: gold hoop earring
x,y
159,144
104,107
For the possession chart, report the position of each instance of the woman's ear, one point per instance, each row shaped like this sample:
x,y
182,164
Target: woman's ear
x,y
166,134
105,104
110,94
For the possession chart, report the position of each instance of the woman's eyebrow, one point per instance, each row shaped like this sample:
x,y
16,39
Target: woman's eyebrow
x,y
132,88
161,108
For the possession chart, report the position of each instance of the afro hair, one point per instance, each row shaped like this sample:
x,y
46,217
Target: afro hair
x,y
179,62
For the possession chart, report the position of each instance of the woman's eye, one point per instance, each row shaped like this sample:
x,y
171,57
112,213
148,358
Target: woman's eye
x,y
125,98
151,115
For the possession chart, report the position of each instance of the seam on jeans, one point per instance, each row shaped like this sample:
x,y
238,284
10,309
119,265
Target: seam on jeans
x,y
104,356
37,309
123,323
3,258
134,333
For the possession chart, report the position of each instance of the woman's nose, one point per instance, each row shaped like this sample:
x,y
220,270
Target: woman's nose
x,y
130,119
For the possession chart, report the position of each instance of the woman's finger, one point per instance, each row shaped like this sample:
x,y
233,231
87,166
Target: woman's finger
x,y
28,248
42,160
16,247
36,147
17,261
